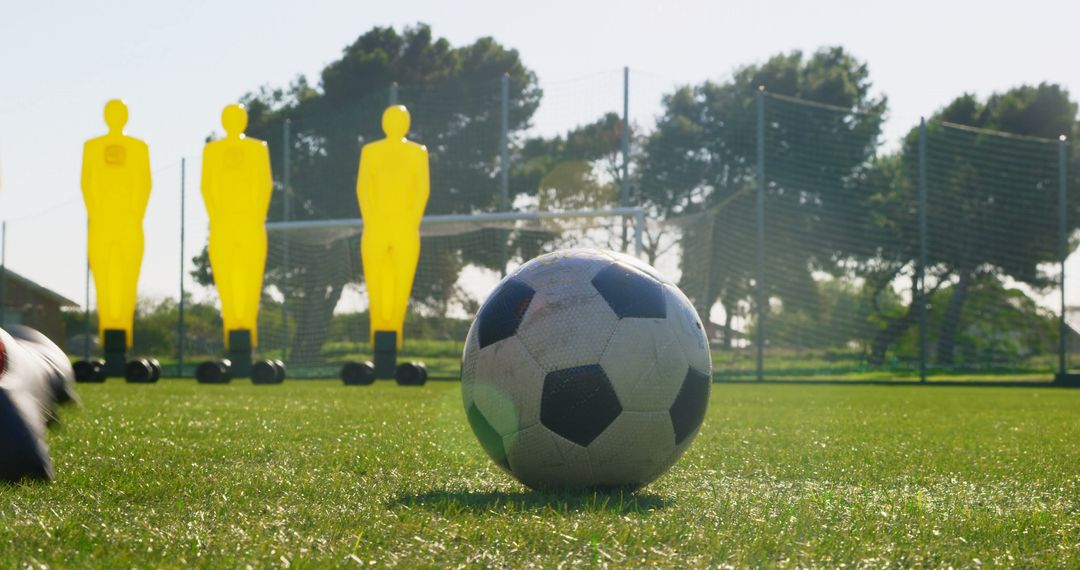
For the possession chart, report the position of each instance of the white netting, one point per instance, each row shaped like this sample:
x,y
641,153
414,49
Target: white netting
x,y
315,315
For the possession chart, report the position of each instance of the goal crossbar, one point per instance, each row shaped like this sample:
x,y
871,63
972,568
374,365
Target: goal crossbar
x,y
355,225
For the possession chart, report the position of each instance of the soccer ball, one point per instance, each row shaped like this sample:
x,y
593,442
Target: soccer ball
x,y
586,369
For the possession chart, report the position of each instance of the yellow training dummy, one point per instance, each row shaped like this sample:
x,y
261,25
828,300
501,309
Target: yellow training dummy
x,y
236,187
116,188
393,189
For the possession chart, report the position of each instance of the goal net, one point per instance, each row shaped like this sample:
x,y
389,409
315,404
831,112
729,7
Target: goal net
x,y
314,312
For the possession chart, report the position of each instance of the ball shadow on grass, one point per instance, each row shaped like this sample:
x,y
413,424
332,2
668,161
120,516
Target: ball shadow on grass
x,y
601,500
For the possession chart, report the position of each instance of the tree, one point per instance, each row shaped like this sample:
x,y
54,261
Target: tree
x,y
579,170
453,95
884,247
702,158
992,200
845,319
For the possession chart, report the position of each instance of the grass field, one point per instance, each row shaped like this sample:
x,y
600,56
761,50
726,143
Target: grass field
x,y
443,360
317,474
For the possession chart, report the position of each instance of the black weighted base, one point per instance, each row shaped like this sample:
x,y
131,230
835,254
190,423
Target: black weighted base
x,y
411,374
143,371
214,372
358,373
138,371
268,372
1071,379
89,371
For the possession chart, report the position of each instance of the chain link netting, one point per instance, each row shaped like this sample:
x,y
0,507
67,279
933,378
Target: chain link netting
x,y
796,230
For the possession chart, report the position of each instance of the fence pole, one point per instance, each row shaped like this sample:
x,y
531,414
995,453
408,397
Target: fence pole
x,y
504,163
920,268
707,293
624,190
1063,253
504,144
3,271
85,314
285,173
393,99
759,286
181,332
625,198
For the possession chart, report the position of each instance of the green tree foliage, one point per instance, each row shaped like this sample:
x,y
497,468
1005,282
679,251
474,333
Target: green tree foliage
x,y
579,170
841,219
702,158
992,202
844,320
453,95
156,329
1011,331
1011,327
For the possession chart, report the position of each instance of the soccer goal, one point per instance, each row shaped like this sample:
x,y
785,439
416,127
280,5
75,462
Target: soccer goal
x,y
315,311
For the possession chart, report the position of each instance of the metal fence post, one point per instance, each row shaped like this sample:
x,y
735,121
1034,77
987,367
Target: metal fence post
x,y
624,190
1063,253
504,144
759,286
920,268
393,99
181,332
285,172
707,293
624,199
86,311
504,163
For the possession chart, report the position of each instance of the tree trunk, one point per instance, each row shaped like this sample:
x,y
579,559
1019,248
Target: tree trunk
x,y
888,336
318,279
951,324
728,340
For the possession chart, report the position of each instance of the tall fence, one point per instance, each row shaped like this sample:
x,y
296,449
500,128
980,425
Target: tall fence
x,y
810,246
944,256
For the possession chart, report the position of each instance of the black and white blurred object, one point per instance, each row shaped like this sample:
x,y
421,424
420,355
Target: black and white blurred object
x,y
35,377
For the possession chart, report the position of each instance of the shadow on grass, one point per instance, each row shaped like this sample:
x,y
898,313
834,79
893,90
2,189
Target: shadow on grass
x,y
617,501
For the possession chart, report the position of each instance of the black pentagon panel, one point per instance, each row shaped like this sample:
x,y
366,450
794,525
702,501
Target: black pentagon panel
x,y
688,410
579,403
490,439
630,293
502,313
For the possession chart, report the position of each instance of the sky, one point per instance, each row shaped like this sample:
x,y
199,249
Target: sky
x,y
178,63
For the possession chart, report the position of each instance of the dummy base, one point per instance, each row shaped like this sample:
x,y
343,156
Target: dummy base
x,y
358,373
411,374
1071,378
143,371
268,372
89,370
